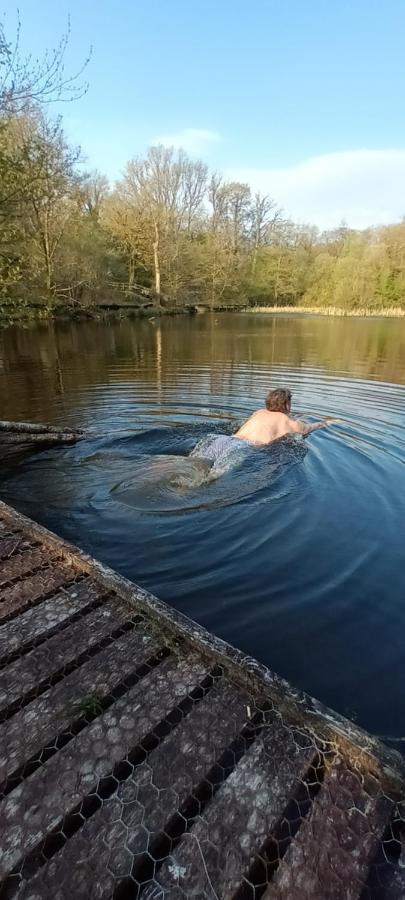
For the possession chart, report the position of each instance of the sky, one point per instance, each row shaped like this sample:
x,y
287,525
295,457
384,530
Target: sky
x,y
302,99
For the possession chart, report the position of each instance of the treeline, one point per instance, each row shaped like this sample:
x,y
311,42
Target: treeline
x,y
168,233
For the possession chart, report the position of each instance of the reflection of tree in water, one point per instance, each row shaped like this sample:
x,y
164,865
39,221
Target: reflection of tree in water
x,y
47,370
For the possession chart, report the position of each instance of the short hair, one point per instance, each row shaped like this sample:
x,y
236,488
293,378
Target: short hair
x,y
279,400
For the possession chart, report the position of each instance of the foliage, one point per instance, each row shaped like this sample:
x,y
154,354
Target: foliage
x,y
169,235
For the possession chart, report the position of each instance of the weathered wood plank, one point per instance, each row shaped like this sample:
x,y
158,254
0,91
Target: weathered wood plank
x,y
8,546
34,669
38,622
25,593
330,855
104,850
212,858
38,803
9,529
22,563
38,724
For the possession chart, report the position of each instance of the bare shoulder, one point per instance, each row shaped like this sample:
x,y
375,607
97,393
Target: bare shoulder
x,y
258,415
294,425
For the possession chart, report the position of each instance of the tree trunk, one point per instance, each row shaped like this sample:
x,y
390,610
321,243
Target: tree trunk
x,y
47,254
254,261
131,271
156,260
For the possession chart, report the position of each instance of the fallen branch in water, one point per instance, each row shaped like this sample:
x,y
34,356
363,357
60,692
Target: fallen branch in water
x,y
29,433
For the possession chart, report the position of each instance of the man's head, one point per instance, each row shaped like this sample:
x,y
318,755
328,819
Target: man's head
x,y
279,401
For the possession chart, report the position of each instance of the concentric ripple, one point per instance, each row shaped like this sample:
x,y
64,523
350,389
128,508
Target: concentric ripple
x,y
296,552
167,484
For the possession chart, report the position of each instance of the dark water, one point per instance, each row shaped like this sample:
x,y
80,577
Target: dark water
x,y
295,555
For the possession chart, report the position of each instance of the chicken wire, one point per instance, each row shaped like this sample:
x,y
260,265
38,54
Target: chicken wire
x,y
135,764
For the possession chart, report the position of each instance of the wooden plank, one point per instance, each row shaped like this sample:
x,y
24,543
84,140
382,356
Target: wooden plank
x,y
38,724
104,850
7,529
8,546
22,563
331,853
31,590
38,803
212,858
33,670
38,622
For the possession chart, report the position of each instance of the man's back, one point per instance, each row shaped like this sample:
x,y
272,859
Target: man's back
x,y
264,426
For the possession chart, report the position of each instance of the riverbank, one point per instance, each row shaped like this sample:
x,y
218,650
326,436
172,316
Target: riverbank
x,y
101,312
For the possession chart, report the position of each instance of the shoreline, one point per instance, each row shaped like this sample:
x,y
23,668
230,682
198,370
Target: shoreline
x,y
117,312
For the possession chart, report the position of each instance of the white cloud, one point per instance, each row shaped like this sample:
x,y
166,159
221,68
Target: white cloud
x,y
194,140
362,187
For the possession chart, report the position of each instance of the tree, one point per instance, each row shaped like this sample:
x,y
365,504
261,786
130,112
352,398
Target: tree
x,y
50,165
94,189
25,81
132,233
171,232
195,186
230,201
264,214
166,189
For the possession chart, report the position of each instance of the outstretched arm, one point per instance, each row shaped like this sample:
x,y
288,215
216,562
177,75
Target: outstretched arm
x,y
304,428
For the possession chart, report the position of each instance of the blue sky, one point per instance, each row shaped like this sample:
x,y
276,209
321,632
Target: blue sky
x,y
302,98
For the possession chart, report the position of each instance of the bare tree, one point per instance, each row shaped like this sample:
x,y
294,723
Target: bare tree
x,y
169,188
217,200
195,187
94,189
264,214
230,201
51,184
237,197
25,80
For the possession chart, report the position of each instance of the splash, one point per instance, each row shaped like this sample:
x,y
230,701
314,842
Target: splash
x,y
223,451
220,471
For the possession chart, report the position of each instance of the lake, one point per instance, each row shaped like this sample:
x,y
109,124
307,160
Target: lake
x,y
295,555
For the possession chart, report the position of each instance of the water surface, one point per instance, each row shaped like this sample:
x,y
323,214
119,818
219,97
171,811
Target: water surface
x,y
296,554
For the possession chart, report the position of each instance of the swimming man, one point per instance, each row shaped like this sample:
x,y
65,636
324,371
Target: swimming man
x,y
225,451
273,422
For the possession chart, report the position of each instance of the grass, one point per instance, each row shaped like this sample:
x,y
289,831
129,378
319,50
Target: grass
x,y
362,312
88,706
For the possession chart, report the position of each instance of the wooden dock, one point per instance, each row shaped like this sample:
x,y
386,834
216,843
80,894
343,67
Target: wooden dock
x,y
142,757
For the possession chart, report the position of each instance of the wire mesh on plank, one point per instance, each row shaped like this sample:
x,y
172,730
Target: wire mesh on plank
x,y
132,765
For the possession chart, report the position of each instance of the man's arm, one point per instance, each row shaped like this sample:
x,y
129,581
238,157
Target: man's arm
x,y
304,428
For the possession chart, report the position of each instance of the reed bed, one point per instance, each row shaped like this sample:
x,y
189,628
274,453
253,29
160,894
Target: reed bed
x,y
362,312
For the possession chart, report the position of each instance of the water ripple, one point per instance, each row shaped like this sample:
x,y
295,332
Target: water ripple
x,y
296,554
